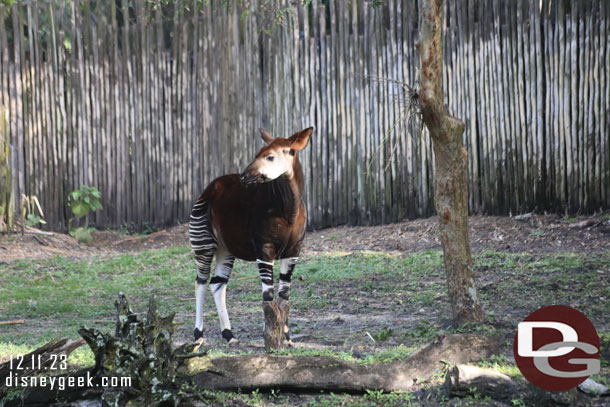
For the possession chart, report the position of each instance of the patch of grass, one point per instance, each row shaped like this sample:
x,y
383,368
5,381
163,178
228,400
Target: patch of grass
x,y
389,354
56,296
390,399
424,330
383,334
379,356
347,356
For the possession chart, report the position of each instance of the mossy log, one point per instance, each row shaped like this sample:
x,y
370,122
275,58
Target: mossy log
x,y
264,371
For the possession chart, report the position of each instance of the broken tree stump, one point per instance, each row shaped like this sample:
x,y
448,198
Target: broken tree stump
x,y
276,314
142,349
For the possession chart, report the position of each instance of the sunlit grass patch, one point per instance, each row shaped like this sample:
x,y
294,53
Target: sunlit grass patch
x,y
502,364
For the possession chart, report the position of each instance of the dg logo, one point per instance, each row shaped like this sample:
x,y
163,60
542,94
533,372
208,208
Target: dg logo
x,y
556,348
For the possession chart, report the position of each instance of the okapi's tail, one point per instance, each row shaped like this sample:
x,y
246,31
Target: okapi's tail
x,y
203,241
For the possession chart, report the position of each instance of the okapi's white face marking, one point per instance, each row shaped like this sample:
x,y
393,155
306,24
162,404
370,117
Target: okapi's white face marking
x,y
274,162
276,159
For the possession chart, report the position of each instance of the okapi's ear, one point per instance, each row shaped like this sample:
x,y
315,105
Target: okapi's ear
x,y
298,141
266,136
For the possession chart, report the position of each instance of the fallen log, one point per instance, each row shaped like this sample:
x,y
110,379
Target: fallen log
x,y
466,380
263,371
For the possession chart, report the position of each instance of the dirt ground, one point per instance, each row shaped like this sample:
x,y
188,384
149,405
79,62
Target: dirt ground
x,y
533,233
330,314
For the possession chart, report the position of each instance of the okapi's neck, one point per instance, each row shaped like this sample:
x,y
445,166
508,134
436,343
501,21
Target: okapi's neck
x,y
284,193
297,180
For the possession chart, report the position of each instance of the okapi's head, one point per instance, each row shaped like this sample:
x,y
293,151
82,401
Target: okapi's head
x,y
276,158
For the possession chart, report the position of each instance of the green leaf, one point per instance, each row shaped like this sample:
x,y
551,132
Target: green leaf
x,y
87,199
80,209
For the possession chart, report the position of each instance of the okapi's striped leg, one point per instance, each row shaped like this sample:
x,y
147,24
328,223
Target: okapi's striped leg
x,y
203,243
286,269
265,269
218,286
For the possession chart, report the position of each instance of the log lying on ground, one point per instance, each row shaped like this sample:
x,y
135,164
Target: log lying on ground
x,y
466,380
327,373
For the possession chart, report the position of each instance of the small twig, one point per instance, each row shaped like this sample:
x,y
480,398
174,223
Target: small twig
x,y
39,240
15,322
370,336
34,231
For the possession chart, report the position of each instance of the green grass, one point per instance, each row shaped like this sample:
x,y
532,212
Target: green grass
x,y
502,364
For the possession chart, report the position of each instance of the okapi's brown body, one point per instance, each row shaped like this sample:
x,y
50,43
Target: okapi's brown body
x,y
258,221
258,215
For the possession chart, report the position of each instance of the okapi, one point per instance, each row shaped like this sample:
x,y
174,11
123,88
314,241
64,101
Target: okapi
x,y
256,216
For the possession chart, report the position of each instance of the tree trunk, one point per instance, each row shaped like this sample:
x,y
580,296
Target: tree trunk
x,y
451,188
276,314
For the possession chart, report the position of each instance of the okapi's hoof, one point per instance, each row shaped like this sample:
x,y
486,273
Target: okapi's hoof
x,y
198,334
228,336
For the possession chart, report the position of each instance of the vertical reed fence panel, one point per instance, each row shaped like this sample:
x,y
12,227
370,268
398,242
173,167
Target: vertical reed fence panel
x,y
150,102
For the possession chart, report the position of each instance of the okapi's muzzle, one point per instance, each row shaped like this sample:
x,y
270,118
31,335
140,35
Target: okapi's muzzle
x,y
250,176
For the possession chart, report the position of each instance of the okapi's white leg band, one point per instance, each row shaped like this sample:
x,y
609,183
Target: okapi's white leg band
x,y
286,269
199,300
220,295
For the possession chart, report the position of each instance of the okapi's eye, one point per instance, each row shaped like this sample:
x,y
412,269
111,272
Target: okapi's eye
x,y
270,158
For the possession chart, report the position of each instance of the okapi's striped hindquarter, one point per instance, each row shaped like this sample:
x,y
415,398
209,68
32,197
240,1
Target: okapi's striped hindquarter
x,y
256,216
